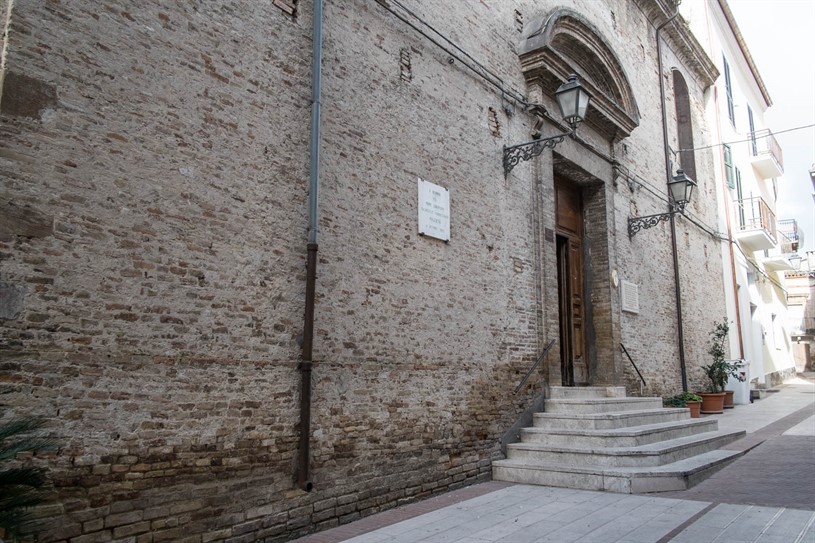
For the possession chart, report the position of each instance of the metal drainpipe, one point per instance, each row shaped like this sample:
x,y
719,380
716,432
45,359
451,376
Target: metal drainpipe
x,y
304,454
677,286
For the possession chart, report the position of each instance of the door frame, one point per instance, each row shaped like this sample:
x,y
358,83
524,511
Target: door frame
x,y
569,230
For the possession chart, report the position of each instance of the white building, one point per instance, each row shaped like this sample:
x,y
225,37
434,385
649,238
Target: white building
x,y
750,167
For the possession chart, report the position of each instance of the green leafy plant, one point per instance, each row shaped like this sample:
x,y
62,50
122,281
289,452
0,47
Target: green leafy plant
x,y
681,400
720,369
21,487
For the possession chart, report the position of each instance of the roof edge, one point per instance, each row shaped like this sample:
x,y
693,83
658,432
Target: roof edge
x,y
731,20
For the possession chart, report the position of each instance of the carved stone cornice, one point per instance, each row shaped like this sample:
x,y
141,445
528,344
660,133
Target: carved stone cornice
x,y
682,40
563,42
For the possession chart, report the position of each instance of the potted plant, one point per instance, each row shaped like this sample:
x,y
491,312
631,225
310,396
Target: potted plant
x,y
717,371
685,399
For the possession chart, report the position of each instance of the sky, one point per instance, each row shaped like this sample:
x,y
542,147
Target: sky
x,y
780,35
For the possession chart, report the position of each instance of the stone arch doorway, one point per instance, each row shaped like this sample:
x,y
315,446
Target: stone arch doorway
x,y
579,233
580,262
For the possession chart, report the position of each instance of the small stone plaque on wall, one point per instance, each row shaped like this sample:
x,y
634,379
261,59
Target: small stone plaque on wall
x,y
434,211
630,297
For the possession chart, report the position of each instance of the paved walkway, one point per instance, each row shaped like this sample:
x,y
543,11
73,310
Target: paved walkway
x,y
766,496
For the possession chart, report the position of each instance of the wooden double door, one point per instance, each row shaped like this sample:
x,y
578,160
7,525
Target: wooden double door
x,y
571,285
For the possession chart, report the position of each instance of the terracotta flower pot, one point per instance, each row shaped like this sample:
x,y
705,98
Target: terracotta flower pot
x,y
712,402
694,407
728,399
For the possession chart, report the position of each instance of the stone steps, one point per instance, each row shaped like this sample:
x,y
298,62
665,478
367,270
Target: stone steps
x,y
675,476
600,421
586,392
618,437
652,454
582,406
598,439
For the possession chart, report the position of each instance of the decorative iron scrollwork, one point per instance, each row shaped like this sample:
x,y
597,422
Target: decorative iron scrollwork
x,y
635,224
640,223
527,151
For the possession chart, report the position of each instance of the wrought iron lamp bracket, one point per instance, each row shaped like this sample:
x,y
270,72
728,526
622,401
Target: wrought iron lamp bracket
x,y
529,150
635,224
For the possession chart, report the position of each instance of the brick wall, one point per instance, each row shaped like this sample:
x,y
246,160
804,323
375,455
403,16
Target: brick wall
x,y
155,178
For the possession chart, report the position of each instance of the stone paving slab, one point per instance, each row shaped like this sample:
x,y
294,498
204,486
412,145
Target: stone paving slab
x,y
749,523
526,514
520,513
523,513
805,428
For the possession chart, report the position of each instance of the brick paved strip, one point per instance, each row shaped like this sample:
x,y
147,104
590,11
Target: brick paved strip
x,y
393,516
780,472
676,531
774,429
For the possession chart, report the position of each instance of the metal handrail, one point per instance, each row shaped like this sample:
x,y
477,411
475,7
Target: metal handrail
x,y
534,366
635,367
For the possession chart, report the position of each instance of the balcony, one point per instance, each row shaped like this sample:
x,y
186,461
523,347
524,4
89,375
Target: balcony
x,y
789,235
777,263
766,156
756,229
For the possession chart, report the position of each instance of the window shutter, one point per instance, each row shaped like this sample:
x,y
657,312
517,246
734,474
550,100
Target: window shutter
x,y
728,86
728,166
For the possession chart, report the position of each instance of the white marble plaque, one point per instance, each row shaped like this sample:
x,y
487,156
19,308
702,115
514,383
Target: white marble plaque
x,y
434,210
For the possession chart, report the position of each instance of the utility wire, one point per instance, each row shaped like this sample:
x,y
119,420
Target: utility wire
x,y
414,21
754,138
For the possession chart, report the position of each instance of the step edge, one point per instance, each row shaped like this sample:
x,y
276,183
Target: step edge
x,y
706,460
625,431
613,414
640,450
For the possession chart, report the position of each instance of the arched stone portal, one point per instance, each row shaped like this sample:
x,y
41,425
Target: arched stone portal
x,y
562,43
579,252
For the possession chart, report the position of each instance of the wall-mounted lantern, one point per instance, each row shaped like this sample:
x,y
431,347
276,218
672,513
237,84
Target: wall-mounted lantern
x,y
573,101
680,189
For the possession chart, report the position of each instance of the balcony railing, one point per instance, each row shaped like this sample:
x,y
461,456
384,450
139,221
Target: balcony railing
x,y
767,157
789,236
756,224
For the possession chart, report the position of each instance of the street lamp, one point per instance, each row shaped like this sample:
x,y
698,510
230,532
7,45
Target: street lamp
x,y
795,261
680,189
573,101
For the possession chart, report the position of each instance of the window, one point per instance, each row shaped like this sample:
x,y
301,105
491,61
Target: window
x,y
684,128
728,87
740,197
728,166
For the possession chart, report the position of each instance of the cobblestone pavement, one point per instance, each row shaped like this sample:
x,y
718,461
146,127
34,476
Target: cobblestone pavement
x,y
766,496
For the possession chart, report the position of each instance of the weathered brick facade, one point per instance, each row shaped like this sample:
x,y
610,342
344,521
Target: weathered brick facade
x,y
155,165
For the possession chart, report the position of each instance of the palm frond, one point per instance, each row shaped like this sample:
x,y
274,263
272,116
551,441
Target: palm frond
x,y
31,477
20,426
21,486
